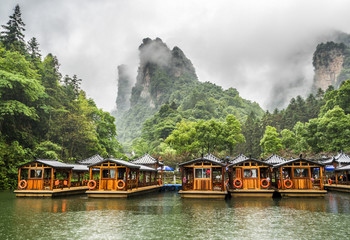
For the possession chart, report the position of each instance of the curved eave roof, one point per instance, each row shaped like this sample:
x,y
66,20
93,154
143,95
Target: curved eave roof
x,y
297,159
250,159
50,163
212,157
275,159
238,158
91,160
201,160
146,160
117,161
147,169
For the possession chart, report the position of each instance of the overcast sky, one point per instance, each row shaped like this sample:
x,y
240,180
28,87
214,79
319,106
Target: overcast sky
x,y
262,48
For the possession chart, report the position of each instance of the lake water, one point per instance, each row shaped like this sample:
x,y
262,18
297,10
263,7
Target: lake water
x,y
167,216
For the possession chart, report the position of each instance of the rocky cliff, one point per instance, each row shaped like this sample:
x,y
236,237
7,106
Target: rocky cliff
x,y
160,72
328,62
124,89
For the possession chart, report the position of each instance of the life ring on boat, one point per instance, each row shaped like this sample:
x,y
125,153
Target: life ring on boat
x,y
235,183
290,183
329,181
160,181
264,185
22,184
91,187
122,186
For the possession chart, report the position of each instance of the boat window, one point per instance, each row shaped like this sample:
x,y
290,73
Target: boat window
x,y
36,173
202,173
250,173
112,173
301,172
105,173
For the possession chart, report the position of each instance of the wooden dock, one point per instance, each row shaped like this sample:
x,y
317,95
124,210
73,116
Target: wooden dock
x,y
203,194
123,194
303,193
251,193
51,193
337,187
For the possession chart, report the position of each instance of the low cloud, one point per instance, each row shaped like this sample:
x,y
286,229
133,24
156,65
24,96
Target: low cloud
x,y
262,48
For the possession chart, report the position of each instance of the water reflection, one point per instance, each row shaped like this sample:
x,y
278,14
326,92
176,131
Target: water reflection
x,y
167,216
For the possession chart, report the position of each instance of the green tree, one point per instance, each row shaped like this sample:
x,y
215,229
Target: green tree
x,y
288,139
12,37
270,142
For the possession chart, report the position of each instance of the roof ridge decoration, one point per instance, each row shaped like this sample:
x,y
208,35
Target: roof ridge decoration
x,y
238,158
342,158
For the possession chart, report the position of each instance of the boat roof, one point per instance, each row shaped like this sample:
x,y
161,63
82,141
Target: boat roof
x,y
117,161
298,159
146,160
91,160
238,158
344,168
202,159
249,159
275,159
212,157
50,163
147,169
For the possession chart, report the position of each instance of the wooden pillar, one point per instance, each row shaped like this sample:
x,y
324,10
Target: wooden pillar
x,y
52,177
309,180
126,178
70,178
282,185
19,177
100,181
258,178
336,178
90,173
182,170
211,178
137,177
223,187
321,177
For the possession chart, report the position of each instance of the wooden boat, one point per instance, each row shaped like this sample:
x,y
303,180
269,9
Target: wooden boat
x,y
50,178
203,178
300,178
119,178
250,177
341,180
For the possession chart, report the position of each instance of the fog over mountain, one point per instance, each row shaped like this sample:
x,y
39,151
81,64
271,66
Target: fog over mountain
x,y
262,48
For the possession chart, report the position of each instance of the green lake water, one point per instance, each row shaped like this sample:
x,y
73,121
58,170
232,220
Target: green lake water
x,y
167,216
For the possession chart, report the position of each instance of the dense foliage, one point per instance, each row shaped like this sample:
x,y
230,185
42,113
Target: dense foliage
x,y
43,115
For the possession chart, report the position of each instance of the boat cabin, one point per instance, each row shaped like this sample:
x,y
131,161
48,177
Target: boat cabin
x,y
299,174
43,174
120,175
203,174
249,173
149,161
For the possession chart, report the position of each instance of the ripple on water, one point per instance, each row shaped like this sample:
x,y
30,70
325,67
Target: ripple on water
x,y
167,216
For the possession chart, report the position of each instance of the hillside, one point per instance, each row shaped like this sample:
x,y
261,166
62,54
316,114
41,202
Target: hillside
x,y
168,77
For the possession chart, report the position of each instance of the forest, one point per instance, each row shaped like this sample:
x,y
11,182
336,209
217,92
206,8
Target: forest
x,y
44,114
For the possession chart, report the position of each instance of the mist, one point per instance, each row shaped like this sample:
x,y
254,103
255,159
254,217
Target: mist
x,y
262,48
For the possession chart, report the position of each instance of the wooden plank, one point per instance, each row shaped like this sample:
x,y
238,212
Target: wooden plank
x,y
51,180
19,177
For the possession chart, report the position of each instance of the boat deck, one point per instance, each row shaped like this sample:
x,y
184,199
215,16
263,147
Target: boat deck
x,y
337,187
303,193
251,192
122,194
202,194
51,193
